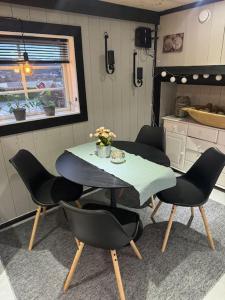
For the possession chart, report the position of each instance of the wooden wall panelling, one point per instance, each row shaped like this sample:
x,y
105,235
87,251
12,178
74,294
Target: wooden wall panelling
x,y
197,38
111,100
170,24
21,198
7,207
216,34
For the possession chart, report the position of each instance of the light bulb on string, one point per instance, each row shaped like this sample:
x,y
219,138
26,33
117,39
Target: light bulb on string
x,y
184,80
219,77
205,76
172,79
195,76
27,68
163,74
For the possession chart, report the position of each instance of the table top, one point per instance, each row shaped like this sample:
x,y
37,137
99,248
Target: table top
x,y
80,171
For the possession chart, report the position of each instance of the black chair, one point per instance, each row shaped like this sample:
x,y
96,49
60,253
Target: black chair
x,y
102,227
193,189
46,189
152,136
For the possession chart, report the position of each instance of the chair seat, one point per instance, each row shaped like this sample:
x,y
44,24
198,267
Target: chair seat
x,y
56,189
184,193
129,220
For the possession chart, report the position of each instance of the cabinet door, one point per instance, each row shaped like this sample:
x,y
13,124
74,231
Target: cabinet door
x,y
175,149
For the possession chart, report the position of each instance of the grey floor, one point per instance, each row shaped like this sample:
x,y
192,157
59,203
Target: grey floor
x,y
187,270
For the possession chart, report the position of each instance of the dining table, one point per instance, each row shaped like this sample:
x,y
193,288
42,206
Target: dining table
x,y
146,171
78,168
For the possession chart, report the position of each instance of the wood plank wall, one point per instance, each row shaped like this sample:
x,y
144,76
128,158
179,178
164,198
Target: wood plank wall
x,y
112,100
203,43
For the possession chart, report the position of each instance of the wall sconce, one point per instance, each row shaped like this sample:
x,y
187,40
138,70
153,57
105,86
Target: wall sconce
x,y
137,73
109,57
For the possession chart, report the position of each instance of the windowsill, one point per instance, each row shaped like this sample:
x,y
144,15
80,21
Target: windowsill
x,y
41,121
32,118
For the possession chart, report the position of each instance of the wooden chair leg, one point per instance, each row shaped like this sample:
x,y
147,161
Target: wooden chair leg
x,y
77,202
152,202
208,232
173,211
118,275
77,242
156,209
192,212
34,230
43,210
136,251
73,267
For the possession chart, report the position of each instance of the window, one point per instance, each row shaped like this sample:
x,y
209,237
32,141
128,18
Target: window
x,y
50,79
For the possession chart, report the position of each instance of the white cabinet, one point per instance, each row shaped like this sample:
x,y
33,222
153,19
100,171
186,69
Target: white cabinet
x,y
187,140
175,149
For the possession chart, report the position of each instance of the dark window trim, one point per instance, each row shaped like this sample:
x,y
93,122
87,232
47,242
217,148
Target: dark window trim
x,y
12,25
95,8
187,6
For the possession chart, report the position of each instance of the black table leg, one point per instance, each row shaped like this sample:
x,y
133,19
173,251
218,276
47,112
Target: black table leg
x,y
113,198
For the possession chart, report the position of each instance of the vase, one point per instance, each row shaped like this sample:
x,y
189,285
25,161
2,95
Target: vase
x,y
103,151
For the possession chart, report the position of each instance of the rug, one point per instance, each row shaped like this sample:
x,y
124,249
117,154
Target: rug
x,y
187,270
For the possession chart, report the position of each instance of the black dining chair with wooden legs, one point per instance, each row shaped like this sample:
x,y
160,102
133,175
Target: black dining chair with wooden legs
x,y
102,227
46,189
153,136
193,189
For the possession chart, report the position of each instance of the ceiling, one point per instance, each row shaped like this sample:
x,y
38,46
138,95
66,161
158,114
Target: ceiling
x,y
155,5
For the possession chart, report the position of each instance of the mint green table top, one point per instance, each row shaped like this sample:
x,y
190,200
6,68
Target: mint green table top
x,y
146,177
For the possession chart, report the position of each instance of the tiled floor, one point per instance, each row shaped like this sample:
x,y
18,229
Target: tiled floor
x,y
216,293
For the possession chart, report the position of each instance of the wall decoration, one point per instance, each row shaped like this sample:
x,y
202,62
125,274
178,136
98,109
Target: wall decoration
x,y
137,73
173,43
109,57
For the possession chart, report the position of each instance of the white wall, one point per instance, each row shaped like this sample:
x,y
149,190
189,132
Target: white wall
x,y
203,43
112,99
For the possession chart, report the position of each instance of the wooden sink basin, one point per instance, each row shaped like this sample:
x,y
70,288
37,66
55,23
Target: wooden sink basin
x,y
206,118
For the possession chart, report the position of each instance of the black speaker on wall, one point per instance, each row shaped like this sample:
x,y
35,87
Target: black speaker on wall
x,y
143,37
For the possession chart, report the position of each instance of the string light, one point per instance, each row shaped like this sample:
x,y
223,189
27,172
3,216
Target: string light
x,y
184,80
219,77
172,79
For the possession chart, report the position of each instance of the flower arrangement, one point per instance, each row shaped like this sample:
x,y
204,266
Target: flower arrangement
x,y
104,136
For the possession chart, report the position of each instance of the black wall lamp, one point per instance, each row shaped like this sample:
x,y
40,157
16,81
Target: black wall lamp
x,y
109,57
137,72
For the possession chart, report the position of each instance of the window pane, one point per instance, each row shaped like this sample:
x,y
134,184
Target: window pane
x,y
13,98
56,96
10,81
46,78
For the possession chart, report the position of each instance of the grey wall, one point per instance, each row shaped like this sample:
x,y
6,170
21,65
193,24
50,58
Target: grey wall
x,y
112,100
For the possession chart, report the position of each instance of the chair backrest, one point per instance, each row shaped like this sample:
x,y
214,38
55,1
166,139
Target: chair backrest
x,y
152,136
206,170
98,228
30,170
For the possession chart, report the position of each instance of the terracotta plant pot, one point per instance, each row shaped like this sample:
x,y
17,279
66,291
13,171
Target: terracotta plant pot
x,y
20,114
49,110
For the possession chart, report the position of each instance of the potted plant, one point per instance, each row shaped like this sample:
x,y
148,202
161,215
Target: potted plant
x,y
47,103
18,108
104,140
